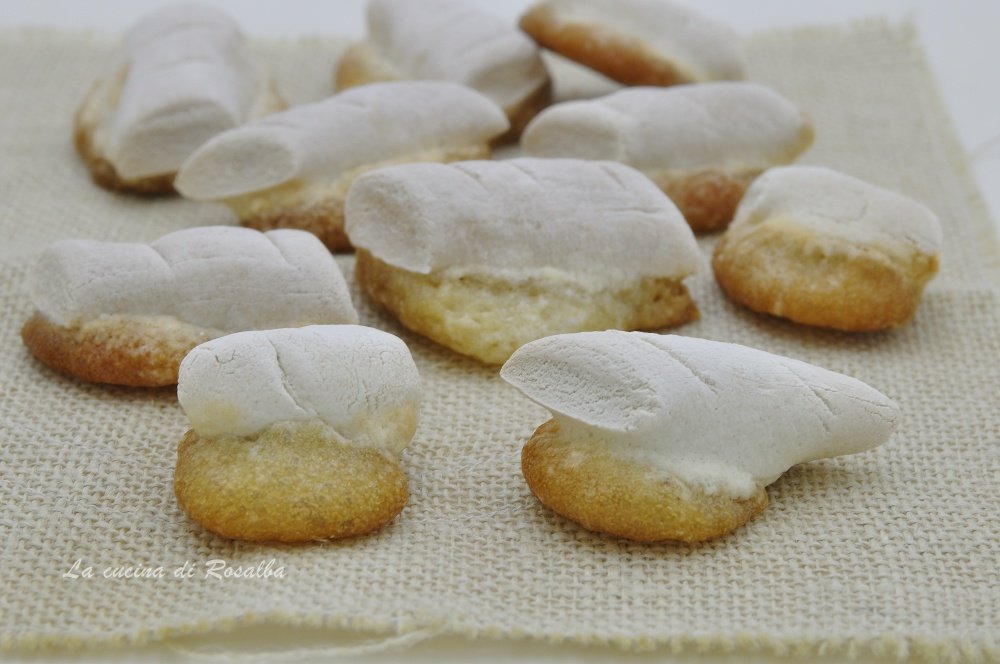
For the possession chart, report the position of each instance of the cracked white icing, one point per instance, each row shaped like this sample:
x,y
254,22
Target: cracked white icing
x,y
359,381
216,277
454,40
732,125
839,206
594,219
189,77
701,47
322,141
721,415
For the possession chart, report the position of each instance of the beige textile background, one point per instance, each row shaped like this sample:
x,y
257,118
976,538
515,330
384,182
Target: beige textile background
x,y
894,552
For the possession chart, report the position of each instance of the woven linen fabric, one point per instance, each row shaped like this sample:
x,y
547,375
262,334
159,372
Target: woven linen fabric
x,y
893,552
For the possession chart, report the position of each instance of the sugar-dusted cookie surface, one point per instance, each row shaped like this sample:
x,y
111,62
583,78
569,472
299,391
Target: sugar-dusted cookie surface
x,y
663,437
483,257
823,248
296,433
188,75
638,42
701,144
127,313
293,169
450,40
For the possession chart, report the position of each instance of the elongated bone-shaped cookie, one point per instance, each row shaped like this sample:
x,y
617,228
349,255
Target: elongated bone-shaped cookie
x,y
294,168
702,144
296,433
667,437
189,76
485,256
128,313
824,248
450,40
638,42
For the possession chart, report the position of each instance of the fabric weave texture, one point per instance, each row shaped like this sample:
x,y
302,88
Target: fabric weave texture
x,y
893,552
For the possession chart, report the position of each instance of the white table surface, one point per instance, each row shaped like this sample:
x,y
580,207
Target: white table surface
x,y
960,39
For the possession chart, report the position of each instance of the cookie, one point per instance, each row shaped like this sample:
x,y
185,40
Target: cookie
x,y
823,248
127,313
483,257
296,434
663,437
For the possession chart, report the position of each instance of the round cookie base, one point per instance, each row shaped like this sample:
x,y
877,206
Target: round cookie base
x,y
489,318
117,350
707,198
780,269
618,56
292,482
325,220
610,494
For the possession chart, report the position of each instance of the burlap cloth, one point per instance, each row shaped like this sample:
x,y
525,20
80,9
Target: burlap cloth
x,y
894,552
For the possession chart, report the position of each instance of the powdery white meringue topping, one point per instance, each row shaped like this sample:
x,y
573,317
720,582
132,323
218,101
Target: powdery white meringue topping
x,y
217,277
591,218
701,47
359,127
454,40
721,415
359,381
189,77
839,206
732,125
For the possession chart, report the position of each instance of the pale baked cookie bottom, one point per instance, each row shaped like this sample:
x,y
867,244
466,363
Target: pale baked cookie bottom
x,y
612,494
100,100
781,268
319,207
361,65
292,482
488,318
618,56
137,351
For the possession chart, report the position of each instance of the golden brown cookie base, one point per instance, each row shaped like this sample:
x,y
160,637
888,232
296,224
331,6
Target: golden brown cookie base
x,y
618,56
611,494
325,220
488,318
289,483
119,350
707,198
360,65
776,267
319,209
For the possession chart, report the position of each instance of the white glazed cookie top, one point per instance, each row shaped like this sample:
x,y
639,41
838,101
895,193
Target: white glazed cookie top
x,y
702,48
217,277
454,40
836,205
721,415
732,125
360,381
189,77
360,127
592,218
